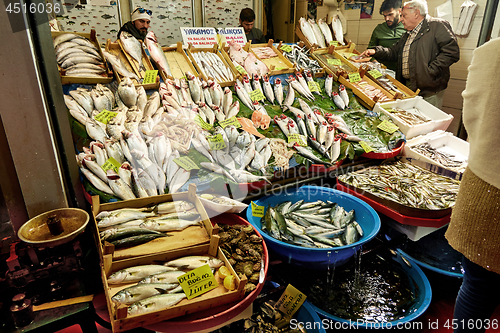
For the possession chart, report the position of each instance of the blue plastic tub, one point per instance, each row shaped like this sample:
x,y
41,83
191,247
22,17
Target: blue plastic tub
x,y
420,287
318,258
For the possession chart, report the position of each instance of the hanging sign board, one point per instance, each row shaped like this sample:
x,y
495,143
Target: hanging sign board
x,y
237,35
199,37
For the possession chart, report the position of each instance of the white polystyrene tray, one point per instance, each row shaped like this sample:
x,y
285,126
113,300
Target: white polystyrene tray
x,y
443,141
440,120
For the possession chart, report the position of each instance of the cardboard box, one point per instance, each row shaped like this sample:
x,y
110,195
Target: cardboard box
x,y
439,119
191,236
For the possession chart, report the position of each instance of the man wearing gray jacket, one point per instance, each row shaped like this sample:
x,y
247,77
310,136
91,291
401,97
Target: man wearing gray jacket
x,y
424,53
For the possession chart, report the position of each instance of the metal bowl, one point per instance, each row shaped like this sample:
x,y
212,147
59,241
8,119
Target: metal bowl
x,y
36,232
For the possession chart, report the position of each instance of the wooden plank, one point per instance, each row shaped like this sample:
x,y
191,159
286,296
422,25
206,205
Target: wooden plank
x,y
459,70
64,302
178,62
352,31
453,94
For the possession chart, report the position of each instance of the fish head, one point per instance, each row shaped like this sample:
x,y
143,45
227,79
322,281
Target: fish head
x,y
227,90
276,119
265,78
256,77
283,116
112,175
331,128
126,166
330,76
335,93
331,121
342,87
309,117
277,81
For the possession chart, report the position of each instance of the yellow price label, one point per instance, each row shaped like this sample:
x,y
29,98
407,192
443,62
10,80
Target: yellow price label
x,y
198,281
257,211
354,77
186,163
388,127
391,110
280,68
256,95
366,147
228,122
216,142
104,116
299,138
375,73
290,301
313,86
348,55
241,69
202,123
150,77
334,62
286,48
111,163
334,42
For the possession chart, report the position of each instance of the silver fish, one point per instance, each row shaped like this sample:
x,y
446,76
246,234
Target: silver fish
x,y
157,53
133,47
343,94
127,92
169,275
193,262
119,66
96,181
155,303
135,273
141,291
120,188
169,224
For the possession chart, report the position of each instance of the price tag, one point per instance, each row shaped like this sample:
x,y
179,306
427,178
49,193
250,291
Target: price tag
x,y
334,62
111,163
256,95
354,77
375,73
313,86
216,142
299,138
241,69
334,42
198,281
104,116
391,110
228,122
388,127
290,301
280,68
257,211
348,55
186,163
202,123
286,48
366,147
150,77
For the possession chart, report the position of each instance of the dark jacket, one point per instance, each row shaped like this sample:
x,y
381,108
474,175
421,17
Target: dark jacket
x,y
256,36
386,36
129,27
432,52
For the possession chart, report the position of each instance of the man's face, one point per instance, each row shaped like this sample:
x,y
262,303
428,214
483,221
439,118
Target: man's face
x,y
410,19
247,25
391,16
142,25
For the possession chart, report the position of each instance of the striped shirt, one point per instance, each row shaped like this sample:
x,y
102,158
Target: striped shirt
x,y
406,49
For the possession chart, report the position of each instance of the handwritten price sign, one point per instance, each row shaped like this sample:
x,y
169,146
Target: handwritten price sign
x,y
216,142
198,281
104,116
334,62
186,163
313,86
228,122
257,95
388,127
202,123
354,77
111,163
366,147
150,77
257,211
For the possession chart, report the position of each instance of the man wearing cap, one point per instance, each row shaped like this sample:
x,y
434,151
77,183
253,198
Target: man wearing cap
x,y
424,53
139,23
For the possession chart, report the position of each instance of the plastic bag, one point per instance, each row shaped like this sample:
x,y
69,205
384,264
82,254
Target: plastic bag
x,y
445,11
467,11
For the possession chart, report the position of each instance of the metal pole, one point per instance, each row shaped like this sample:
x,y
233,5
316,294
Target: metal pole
x,y
488,21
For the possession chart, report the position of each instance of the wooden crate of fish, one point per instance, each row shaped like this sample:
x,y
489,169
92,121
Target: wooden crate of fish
x,y
271,57
210,63
393,86
146,290
415,116
333,63
80,58
301,57
178,61
368,91
122,58
145,226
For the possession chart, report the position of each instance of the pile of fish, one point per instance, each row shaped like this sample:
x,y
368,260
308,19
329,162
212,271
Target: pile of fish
x,y
157,286
156,52
372,92
298,56
383,80
247,60
406,184
316,224
319,33
134,226
411,116
447,160
265,52
212,66
78,56
324,131
339,70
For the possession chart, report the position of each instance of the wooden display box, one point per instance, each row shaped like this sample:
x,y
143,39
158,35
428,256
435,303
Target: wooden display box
x,y
319,73
214,50
81,79
330,69
408,93
277,65
224,52
130,63
121,321
364,99
190,236
315,46
178,62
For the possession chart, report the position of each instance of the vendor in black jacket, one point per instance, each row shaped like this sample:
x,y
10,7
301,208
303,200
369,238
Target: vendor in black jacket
x,y
424,53
139,23
247,20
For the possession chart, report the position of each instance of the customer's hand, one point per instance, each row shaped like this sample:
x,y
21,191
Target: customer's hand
x,y
367,53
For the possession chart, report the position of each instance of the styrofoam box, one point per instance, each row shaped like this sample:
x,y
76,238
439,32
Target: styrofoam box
x,y
440,120
444,142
